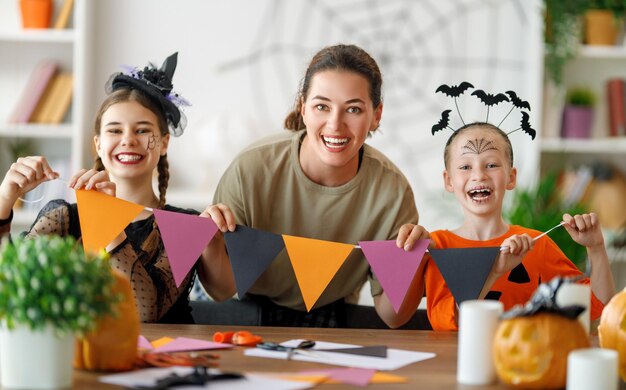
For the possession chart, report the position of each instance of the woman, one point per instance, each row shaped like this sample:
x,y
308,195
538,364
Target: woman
x,y
319,181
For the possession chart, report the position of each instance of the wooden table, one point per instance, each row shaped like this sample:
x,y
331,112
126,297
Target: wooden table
x,y
439,372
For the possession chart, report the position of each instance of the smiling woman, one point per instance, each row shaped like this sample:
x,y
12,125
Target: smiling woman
x,y
320,180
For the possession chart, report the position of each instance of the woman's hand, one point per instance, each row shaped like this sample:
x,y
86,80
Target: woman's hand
x,y
93,179
221,215
409,234
24,175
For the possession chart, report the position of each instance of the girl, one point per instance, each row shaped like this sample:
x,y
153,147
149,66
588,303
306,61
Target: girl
x,y
320,180
132,133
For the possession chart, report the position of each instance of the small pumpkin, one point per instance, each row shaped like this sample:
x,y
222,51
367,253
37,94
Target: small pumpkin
x,y
112,346
612,328
531,352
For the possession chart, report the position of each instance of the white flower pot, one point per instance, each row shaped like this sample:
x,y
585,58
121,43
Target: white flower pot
x,y
35,359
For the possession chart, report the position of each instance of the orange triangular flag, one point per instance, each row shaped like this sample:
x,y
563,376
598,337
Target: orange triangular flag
x,y
102,218
315,262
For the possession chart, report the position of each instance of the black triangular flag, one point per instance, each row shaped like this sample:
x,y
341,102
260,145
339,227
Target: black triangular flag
x,y
374,350
465,269
251,251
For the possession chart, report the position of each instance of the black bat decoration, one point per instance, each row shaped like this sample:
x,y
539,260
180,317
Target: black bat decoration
x,y
443,122
526,126
455,90
489,99
517,102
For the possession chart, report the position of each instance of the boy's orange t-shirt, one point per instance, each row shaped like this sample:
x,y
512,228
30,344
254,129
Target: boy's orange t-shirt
x,y
544,262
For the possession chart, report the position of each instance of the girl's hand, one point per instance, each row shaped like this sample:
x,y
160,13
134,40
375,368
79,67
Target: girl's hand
x,y
221,215
24,175
409,234
584,229
513,252
93,179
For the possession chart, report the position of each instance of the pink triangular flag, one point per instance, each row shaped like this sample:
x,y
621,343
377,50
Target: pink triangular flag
x,y
143,343
394,267
184,236
350,376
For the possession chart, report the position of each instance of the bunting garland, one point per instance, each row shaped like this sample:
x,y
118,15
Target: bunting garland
x,y
251,251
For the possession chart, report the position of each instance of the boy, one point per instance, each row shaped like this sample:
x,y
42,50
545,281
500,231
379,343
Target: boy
x,y
479,170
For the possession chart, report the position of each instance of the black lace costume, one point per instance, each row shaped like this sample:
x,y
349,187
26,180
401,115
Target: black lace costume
x,y
156,295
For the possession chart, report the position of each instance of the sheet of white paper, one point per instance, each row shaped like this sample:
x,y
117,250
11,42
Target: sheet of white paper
x,y
396,358
149,377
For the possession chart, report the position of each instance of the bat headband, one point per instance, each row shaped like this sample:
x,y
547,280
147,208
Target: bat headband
x,y
156,84
487,99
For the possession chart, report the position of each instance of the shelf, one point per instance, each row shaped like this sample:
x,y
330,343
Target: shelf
x,y
36,130
585,146
599,52
38,35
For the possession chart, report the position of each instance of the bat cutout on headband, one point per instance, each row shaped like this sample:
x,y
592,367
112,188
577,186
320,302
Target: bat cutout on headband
x,y
487,99
454,91
525,127
443,122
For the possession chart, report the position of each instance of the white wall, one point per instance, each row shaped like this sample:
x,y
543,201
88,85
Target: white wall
x,y
240,62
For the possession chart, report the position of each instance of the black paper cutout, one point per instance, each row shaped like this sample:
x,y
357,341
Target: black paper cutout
x,y
489,99
525,126
493,295
517,102
374,350
251,251
443,122
519,275
454,90
465,269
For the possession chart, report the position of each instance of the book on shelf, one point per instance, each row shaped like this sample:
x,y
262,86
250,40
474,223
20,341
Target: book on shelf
x,y
63,17
34,91
56,100
616,103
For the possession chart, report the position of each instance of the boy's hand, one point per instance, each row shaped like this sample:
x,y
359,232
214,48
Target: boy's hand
x,y
409,234
513,252
584,229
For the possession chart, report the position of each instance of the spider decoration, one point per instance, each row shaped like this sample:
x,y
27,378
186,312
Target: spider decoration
x,y
487,99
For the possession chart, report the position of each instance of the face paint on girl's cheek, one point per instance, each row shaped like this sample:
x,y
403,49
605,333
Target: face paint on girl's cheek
x,y
152,142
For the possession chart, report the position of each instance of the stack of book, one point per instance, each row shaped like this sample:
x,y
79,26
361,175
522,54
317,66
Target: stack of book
x,y
47,96
617,107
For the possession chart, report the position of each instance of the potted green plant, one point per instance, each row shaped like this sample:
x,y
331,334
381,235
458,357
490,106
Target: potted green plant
x,y
578,113
562,34
50,291
603,20
541,208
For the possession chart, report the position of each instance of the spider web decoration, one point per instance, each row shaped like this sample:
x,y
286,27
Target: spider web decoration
x,y
418,45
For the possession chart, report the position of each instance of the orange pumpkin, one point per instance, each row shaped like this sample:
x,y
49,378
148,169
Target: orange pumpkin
x,y
112,346
612,328
531,351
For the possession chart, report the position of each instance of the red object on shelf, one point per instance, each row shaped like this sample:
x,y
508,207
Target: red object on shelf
x,y
616,105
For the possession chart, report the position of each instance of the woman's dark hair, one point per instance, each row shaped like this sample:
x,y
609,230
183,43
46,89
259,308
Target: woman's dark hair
x,y
496,129
349,58
125,95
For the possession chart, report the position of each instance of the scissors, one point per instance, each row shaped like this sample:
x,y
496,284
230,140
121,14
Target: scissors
x,y
199,376
301,348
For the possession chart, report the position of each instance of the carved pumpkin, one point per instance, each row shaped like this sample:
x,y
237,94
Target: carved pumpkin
x,y
612,328
531,351
112,346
